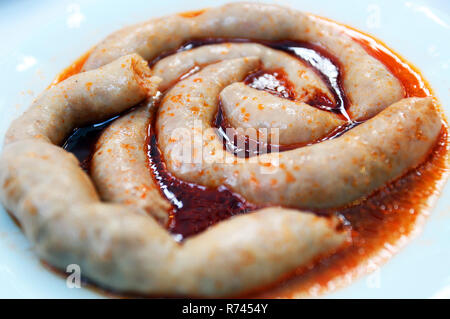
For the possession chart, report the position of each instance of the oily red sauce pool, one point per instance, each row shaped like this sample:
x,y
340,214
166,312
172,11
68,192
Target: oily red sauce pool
x,y
273,81
195,207
379,224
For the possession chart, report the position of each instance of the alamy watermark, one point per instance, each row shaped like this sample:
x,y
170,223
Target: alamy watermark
x,y
373,20
199,145
73,280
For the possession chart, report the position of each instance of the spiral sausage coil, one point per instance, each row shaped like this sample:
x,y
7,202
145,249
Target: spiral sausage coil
x,y
111,223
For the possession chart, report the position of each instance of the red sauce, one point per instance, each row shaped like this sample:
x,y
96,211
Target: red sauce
x,y
82,142
273,81
194,207
191,14
379,224
72,69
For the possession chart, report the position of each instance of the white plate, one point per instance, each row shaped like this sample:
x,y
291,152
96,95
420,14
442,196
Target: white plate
x,y
40,38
